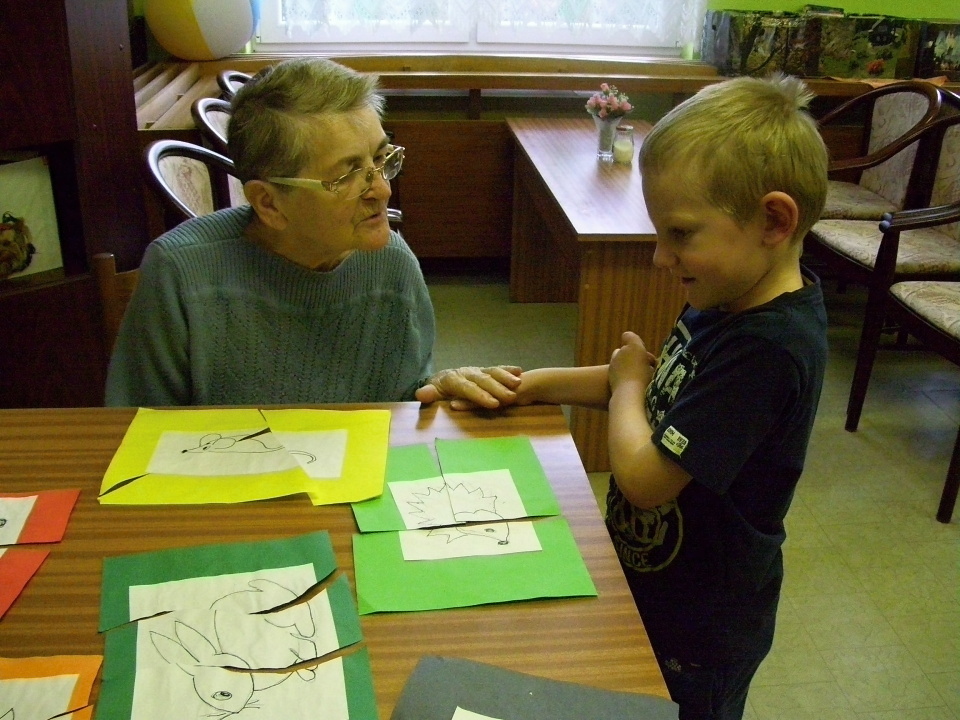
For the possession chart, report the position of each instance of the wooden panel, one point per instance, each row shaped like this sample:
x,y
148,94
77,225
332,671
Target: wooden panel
x,y
545,255
106,153
53,355
620,290
455,189
34,79
597,641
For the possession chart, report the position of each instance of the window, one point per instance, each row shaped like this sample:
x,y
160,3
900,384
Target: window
x,y
568,27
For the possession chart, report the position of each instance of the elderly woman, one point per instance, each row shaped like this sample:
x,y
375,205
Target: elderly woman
x,y
305,296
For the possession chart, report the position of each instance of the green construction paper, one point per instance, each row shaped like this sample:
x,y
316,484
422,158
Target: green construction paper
x,y
516,454
404,462
344,612
123,572
115,701
388,583
361,699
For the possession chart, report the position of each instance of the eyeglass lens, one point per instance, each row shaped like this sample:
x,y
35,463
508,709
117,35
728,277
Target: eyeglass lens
x,y
358,182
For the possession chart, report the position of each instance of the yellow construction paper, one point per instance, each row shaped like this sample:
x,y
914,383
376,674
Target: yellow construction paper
x,y
242,440
365,463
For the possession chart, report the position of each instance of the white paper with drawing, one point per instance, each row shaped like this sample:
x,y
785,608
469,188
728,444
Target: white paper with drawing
x,y
14,512
250,451
485,496
457,541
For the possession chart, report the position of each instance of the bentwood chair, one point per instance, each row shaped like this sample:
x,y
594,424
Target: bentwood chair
x,y
881,177
230,81
115,289
211,116
190,180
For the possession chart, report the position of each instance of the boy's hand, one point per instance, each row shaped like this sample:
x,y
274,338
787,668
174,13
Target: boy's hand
x,y
631,362
471,387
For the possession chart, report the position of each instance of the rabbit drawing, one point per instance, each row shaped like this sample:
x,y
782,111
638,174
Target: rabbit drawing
x,y
289,631
227,691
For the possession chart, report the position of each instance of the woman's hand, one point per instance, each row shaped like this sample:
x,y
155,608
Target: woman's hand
x,y
472,387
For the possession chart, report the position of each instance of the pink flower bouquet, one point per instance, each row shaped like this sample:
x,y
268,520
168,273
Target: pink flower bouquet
x,y
608,103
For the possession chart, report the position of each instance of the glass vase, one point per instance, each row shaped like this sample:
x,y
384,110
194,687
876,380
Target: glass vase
x,y
606,131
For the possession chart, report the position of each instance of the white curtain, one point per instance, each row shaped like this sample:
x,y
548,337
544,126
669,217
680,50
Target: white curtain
x,y
594,27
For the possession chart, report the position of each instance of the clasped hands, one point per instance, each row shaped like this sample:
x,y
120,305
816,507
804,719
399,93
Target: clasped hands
x,y
472,387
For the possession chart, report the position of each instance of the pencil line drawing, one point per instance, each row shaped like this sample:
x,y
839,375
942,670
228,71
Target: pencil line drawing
x,y
9,715
497,532
244,613
479,497
243,443
226,691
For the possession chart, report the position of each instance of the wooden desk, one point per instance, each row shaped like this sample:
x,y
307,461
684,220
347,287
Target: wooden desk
x,y
596,641
581,233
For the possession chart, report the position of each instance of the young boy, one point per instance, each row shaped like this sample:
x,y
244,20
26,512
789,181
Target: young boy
x,y
706,447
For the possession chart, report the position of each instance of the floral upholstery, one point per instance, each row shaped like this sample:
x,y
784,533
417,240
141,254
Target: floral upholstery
x,y
938,302
929,250
190,181
882,188
946,186
849,201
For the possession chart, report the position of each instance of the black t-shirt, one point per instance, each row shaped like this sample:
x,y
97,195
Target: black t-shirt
x,y
732,401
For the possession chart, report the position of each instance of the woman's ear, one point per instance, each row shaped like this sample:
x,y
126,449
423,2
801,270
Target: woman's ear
x,y
781,216
267,202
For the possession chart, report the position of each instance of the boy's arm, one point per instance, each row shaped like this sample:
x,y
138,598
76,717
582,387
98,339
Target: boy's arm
x,y
584,386
646,477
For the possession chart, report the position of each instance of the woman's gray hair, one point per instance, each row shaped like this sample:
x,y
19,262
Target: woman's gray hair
x,y
272,129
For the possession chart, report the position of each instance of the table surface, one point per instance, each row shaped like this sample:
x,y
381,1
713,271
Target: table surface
x,y
595,641
602,201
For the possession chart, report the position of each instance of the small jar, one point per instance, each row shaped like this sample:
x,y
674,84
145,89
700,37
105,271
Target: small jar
x,y
623,145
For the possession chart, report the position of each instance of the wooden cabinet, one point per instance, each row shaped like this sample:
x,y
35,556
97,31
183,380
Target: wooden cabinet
x,y
65,79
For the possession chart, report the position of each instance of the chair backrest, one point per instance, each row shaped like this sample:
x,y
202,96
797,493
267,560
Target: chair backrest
x,y
230,81
211,116
946,181
893,111
189,179
115,292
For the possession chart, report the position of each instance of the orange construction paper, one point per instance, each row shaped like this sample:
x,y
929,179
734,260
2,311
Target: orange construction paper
x,y
16,568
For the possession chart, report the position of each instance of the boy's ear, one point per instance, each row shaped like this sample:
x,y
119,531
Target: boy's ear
x,y
266,202
781,216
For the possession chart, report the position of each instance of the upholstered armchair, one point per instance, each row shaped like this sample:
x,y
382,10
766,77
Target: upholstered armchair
x,y
881,177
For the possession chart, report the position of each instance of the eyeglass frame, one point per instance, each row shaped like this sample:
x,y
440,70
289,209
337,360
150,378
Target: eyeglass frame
x,y
333,185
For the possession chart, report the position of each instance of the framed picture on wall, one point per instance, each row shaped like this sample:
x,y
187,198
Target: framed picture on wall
x,y
29,237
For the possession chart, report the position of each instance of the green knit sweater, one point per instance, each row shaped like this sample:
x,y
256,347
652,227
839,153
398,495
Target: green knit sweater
x,y
217,320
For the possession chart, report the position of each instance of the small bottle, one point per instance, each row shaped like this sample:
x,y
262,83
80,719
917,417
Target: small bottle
x,y
623,145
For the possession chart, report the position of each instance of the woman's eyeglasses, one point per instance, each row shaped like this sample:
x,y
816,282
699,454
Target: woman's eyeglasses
x,y
356,182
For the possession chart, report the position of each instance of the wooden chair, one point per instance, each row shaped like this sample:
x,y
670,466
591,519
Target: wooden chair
x,y
881,177
930,311
230,81
190,180
915,270
855,248
115,289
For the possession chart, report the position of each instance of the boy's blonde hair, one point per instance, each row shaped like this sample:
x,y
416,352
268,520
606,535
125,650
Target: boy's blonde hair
x,y
741,139
272,129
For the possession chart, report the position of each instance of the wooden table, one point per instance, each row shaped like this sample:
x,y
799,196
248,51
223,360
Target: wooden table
x,y
581,233
596,641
